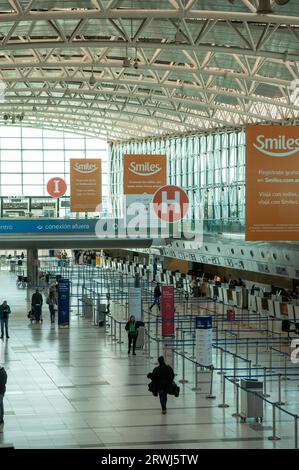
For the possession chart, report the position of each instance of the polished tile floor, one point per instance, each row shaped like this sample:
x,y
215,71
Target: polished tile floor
x,y
76,388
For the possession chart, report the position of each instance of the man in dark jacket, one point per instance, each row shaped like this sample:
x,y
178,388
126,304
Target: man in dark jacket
x,y
36,304
3,380
157,295
162,376
4,315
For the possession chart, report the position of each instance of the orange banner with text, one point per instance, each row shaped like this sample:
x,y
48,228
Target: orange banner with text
x,y
144,173
86,184
272,182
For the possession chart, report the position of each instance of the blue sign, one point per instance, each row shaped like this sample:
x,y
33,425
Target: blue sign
x,y
63,302
203,323
48,226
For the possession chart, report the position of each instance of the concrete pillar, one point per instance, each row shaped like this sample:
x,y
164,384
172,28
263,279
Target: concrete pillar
x,y
32,266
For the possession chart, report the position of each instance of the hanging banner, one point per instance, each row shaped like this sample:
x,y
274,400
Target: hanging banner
x,y
63,302
272,183
86,185
134,304
167,310
203,340
144,173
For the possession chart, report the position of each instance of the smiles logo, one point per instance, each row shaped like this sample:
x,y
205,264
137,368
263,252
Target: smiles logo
x,y
144,169
277,147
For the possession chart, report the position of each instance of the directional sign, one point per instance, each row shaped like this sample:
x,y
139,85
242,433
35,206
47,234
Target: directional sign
x,y
171,203
56,187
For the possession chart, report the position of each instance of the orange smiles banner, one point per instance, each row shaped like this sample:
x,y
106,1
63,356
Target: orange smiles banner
x,y
144,173
272,182
86,185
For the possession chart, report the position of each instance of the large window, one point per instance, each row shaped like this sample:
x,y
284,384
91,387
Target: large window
x,y
211,168
30,157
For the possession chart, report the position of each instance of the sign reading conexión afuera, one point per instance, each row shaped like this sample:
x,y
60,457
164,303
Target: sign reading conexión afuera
x,y
47,226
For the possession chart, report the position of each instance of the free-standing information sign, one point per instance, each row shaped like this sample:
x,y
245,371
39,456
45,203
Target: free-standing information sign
x,y
63,302
272,182
203,340
134,304
167,308
86,185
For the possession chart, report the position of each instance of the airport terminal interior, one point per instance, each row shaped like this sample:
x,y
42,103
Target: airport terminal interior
x,y
149,192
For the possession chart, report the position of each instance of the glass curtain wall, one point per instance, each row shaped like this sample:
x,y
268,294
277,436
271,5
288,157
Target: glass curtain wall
x,y
210,168
29,158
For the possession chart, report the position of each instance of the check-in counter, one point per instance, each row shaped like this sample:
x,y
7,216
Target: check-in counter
x,y
220,294
271,308
252,303
296,313
281,310
237,297
291,312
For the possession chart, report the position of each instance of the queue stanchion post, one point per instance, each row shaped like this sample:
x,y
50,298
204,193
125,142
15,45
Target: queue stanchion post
x,y
256,354
285,377
247,348
221,362
265,394
210,395
119,334
235,367
249,362
114,335
183,380
223,404
195,388
270,359
274,437
279,402
296,431
237,413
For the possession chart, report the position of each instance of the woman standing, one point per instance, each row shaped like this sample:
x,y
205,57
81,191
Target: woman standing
x,y
132,329
52,302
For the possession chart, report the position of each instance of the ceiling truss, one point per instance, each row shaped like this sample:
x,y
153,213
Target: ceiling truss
x,y
191,70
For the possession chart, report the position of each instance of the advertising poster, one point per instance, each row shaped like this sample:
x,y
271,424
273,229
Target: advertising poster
x,y
272,183
144,173
86,185
143,176
167,310
63,302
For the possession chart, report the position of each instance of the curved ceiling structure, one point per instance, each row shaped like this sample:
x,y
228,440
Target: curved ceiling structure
x,y
131,69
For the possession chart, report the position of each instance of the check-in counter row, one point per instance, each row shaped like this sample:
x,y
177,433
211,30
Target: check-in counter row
x,y
236,297
270,307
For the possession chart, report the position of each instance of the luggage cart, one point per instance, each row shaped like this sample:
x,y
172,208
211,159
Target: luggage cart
x,y
251,403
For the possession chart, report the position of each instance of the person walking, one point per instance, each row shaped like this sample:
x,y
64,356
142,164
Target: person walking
x,y
162,376
4,314
36,304
132,329
52,303
157,295
3,380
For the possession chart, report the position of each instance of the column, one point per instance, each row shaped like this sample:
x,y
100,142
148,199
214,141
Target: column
x,y
32,266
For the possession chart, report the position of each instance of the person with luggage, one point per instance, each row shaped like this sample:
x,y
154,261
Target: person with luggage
x,y
36,304
3,380
4,315
157,295
52,303
162,378
132,329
